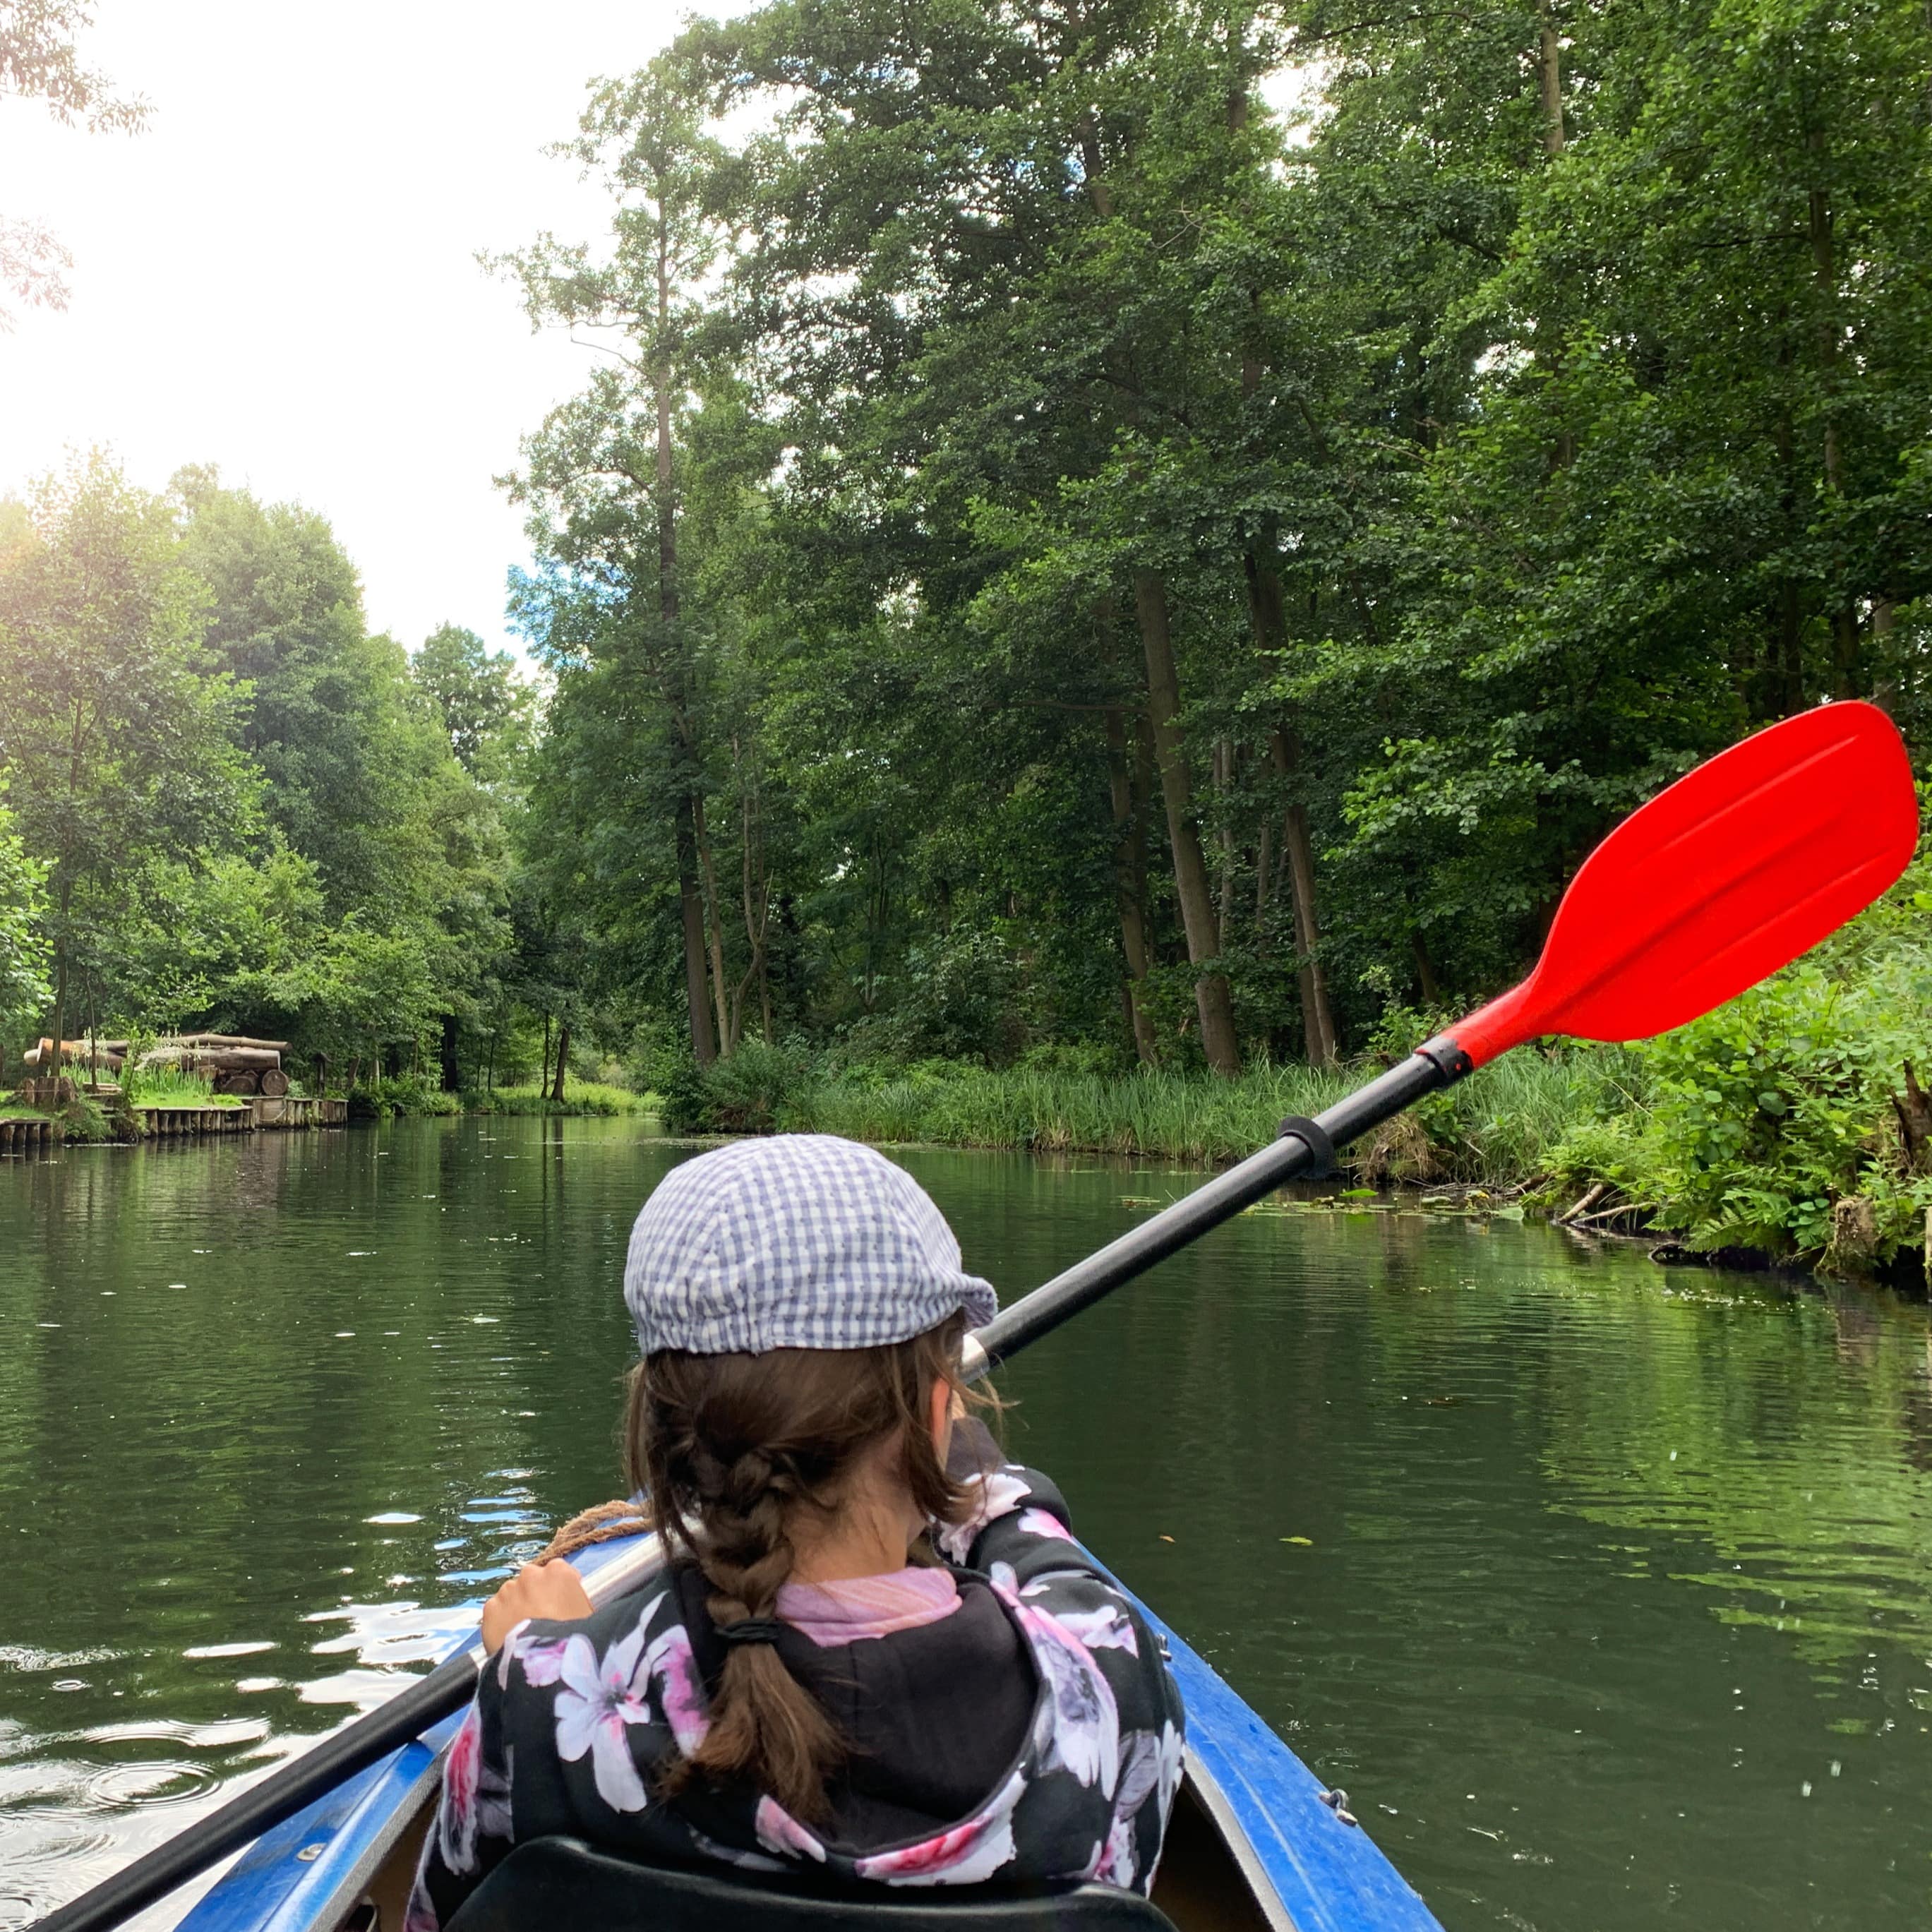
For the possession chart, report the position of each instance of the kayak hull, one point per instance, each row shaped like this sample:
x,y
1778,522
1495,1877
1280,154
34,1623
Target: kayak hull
x,y
1253,1847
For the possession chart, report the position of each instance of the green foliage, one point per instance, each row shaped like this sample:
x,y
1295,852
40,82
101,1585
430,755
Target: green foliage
x,y
1480,468
24,951
83,1119
487,710
1062,540
172,1087
1756,1123
580,1097
235,808
381,1099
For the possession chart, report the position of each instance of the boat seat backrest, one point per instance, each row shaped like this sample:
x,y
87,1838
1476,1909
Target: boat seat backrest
x,y
562,1885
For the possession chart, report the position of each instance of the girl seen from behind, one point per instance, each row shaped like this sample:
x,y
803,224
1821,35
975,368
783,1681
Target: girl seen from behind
x,y
876,1653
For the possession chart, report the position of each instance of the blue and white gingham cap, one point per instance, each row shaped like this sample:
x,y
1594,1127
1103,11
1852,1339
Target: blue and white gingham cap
x,y
798,1241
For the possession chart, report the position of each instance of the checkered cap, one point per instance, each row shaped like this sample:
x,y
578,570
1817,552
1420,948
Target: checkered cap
x,y
798,1241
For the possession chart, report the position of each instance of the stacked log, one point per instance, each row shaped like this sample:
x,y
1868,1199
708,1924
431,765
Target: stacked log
x,y
211,1059
111,1054
236,1063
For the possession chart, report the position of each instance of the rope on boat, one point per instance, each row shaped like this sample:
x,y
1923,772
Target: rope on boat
x,y
605,1523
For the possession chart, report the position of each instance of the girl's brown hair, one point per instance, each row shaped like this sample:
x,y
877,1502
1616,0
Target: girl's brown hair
x,y
733,1449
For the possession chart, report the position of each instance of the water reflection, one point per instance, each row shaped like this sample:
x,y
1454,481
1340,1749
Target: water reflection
x,y
1603,1587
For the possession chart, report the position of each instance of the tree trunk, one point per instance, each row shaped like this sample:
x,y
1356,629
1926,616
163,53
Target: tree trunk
x,y
1319,1040
1268,614
543,1071
1130,887
563,1062
1425,969
1845,666
1550,74
452,1073
691,902
1224,784
708,873
1211,996
59,1029
755,887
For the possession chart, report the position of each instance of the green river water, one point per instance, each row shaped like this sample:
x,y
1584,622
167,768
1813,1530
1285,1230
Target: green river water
x,y
1602,1587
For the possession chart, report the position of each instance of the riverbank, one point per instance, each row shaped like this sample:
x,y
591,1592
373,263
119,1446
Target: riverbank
x,y
1791,1126
383,1100
1503,1129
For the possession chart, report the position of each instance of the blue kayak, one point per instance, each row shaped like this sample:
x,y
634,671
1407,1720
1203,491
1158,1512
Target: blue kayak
x,y
1255,1842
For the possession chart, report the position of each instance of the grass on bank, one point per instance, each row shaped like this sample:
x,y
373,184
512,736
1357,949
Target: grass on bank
x,y
380,1100
1501,1128
170,1087
1795,1121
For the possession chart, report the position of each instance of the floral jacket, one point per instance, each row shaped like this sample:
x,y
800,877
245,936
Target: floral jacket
x,y
571,1721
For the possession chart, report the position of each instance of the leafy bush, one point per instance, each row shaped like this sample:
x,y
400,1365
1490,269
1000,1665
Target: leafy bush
x,y
1773,1122
756,1090
684,1096
82,1119
960,999
377,1099
580,1097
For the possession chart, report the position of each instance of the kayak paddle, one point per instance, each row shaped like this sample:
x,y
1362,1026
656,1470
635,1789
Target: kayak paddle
x,y
1730,874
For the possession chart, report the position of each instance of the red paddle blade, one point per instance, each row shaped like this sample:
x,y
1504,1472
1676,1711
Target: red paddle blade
x,y
1737,868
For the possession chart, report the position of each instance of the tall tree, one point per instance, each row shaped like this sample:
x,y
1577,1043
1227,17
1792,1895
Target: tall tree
x,y
115,728
608,456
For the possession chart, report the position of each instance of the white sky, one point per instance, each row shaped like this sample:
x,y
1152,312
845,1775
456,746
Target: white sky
x,y
278,276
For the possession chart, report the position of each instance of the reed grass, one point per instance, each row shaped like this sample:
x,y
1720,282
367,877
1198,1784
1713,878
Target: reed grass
x,y
170,1087
580,1097
1498,1128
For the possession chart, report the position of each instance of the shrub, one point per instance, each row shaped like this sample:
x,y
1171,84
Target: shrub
x,y
580,1097
1775,1122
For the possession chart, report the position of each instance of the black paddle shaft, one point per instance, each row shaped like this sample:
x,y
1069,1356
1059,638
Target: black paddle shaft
x,y
1304,1145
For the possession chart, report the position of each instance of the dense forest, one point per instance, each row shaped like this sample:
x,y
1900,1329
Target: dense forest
x,y
1094,535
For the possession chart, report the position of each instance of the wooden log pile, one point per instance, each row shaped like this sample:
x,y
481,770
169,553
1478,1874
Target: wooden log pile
x,y
110,1054
236,1063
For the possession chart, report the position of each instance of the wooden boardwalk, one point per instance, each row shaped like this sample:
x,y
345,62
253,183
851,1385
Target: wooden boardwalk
x,y
279,1114
262,1114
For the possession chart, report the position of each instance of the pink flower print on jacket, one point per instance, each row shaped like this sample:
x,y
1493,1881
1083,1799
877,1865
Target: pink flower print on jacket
x,y
601,1700
540,1659
1079,1724
990,1493
670,1665
965,1854
1150,1767
779,1831
1107,1627
456,1816
1044,1522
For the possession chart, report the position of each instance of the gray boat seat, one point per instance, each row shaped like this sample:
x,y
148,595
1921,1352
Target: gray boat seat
x,y
563,1885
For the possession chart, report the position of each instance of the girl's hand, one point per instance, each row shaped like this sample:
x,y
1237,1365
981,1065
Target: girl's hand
x,y
554,1591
